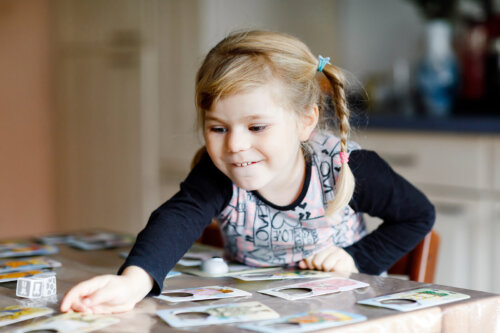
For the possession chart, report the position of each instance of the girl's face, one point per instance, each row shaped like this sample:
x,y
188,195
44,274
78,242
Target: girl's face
x,y
255,141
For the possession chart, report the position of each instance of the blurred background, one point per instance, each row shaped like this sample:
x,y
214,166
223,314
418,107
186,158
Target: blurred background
x,y
97,114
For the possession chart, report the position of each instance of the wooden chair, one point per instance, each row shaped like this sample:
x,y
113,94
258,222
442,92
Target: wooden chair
x,y
419,264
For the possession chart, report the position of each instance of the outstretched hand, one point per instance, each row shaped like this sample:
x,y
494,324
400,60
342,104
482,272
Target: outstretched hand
x,y
331,259
109,293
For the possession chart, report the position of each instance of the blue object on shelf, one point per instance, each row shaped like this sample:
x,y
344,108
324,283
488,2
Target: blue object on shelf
x,y
437,72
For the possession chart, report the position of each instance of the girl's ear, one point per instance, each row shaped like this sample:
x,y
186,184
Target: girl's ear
x,y
308,122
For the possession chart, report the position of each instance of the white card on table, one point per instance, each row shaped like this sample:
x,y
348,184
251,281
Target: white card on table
x,y
201,293
217,314
415,299
73,322
314,288
282,275
305,322
16,313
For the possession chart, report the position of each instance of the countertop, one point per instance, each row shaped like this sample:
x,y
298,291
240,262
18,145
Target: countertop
x,y
457,124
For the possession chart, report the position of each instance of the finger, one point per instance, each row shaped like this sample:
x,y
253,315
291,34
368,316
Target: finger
x,y
331,263
302,264
309,262
319,259
79,307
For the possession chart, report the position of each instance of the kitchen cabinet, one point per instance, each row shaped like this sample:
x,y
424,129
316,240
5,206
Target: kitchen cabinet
x,y
105,83
459,174
496,245
496,164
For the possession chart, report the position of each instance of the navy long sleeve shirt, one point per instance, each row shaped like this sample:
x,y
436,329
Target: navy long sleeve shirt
x,y
172,228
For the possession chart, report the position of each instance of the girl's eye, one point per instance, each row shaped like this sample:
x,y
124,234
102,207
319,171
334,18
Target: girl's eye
x,y
218,129
257,128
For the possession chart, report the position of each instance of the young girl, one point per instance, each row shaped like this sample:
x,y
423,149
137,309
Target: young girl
x,y
284,191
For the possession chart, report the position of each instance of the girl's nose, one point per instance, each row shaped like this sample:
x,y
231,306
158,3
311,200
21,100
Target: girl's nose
x,y
237,141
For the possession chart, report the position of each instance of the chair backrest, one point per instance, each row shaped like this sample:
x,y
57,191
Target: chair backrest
x,y
419,264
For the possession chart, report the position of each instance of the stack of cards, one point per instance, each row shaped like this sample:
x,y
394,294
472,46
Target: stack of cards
x,y
314,288
16,313
89,240
21,249
217,314
53,239
415,299
99,240
201,293
27,264
13,276
305,322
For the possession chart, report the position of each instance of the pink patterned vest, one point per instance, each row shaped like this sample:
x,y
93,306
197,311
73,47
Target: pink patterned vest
x,y
257,234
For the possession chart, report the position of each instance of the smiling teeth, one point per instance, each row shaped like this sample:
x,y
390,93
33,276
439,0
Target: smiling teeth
x,y
243,164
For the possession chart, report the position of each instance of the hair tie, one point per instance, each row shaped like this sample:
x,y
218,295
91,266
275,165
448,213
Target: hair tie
x,y
344,157
322,62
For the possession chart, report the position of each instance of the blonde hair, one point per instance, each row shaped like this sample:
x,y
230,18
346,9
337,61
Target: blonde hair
x,y
246,60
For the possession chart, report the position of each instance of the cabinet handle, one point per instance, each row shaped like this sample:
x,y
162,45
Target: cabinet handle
x,y
400,160
449,208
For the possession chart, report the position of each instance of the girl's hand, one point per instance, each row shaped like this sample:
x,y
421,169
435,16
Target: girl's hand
x,y
329,260
109,293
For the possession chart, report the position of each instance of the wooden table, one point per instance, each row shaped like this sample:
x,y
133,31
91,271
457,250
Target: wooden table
x,y
481,313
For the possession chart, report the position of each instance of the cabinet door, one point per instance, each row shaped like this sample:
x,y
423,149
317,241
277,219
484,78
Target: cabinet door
x,y
465,255
437,159
495,239
496,164
106,153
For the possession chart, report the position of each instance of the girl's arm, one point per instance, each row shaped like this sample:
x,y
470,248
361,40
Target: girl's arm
x,y
406,213
175,225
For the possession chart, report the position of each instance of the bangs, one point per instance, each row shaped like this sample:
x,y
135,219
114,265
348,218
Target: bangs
x,y
235,75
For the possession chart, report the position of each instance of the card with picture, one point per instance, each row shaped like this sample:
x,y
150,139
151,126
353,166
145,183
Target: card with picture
x,y
415,299
217,314
305,322
314,288
201,293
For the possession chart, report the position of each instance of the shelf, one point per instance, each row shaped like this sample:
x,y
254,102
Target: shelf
x,y
461,124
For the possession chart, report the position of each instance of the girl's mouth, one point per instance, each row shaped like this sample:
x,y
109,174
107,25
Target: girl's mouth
x,y
244,164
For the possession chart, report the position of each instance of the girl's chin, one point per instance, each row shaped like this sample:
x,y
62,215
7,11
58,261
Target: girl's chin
x,y
247,186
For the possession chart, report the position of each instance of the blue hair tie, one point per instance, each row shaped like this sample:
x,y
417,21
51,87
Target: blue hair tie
x,y
322,62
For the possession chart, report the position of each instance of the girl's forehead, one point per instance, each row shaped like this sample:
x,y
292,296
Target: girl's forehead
x,y
257,102
271,93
